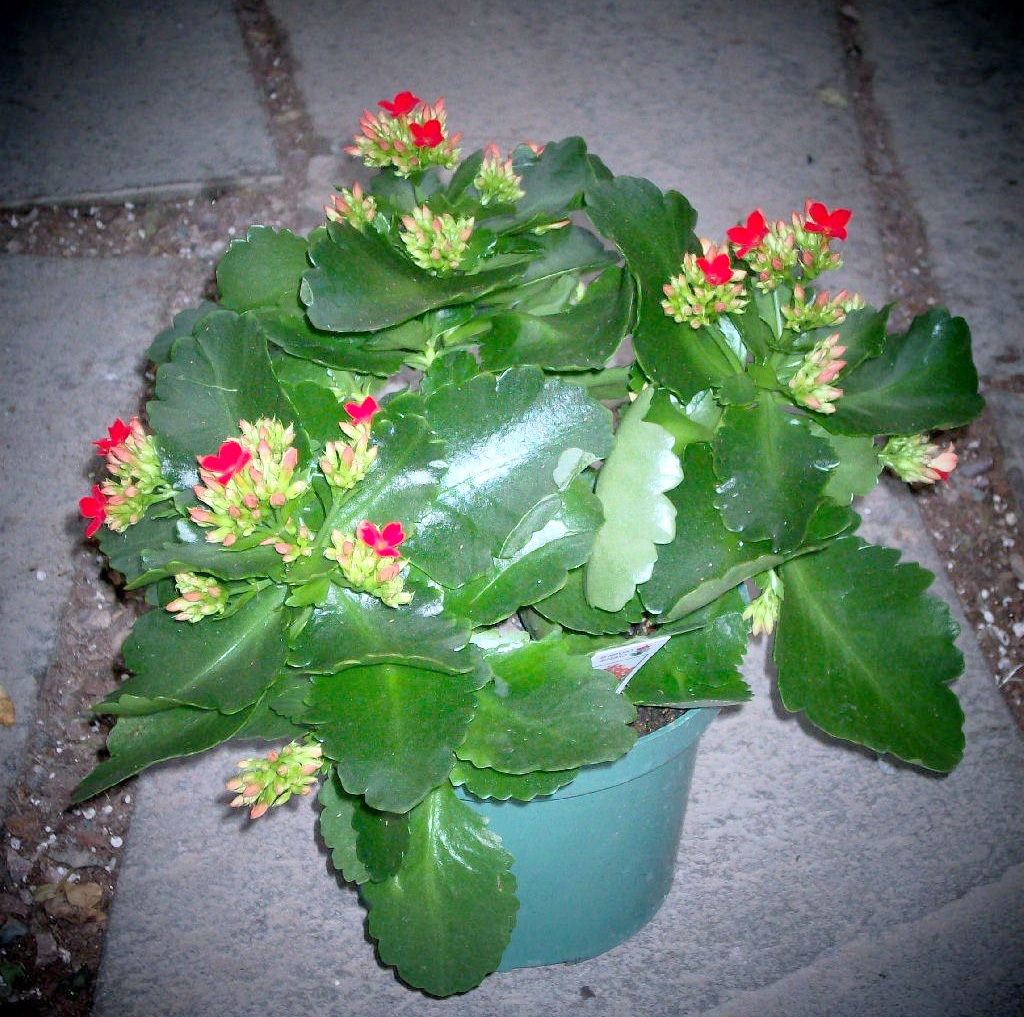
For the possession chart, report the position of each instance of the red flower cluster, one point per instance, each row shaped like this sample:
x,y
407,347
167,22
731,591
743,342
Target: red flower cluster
x,y
403,103
384,541
821,220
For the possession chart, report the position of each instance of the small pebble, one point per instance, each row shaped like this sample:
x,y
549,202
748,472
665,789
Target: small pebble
x,y
116,842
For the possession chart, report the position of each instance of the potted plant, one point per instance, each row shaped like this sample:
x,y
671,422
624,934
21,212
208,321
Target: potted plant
x,y
496,415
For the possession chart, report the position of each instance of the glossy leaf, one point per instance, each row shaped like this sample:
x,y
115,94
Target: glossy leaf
x,y
484,782
845,608
631,487
444,920
349,629
772,472
538,568
382,839
221,664
569,607
263,270
705,559
181,326
583,335
391,728
924,380
219,376
698,668
360,283
138,742
337,810
124,550
547,710
556,179
504,439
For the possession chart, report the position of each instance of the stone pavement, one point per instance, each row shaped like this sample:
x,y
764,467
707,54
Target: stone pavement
x,y
811,880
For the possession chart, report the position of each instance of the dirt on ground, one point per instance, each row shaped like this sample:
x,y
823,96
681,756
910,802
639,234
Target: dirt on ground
x,y
59,863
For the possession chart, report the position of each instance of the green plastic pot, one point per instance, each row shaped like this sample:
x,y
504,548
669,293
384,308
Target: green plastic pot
x,y
594,861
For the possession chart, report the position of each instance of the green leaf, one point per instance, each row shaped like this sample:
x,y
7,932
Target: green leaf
x,y
924,380
360,283
197,555
219,376
772,473
538,568
485,782
570,608
504,440
392,729
337,810
653,231
858,469
183,324
263,270
444,920
138,742
631,486
350,629
547,710
221,664
124,550
698,668
866,654
382,839
377,353
583,335
705,560
556,180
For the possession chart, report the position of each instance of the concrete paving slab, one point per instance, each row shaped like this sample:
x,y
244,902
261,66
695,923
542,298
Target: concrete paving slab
x,y
951,83
72,340
108,100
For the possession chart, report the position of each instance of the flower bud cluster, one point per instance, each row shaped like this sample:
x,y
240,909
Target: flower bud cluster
x,y
267,781
812,384
199,597
915,459
409,135
707,288
248,484
343,463
352,206
819,311
136,481
763,611
436,242
370,561
496,182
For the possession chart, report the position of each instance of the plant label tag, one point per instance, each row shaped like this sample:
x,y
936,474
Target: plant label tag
x,y
624,661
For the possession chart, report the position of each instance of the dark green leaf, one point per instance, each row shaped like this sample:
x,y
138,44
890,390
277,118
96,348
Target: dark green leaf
x,y
219,376
350,629
866,654
263,270
124,550
337,810
505,439
392,729
484,782
382,839
698,668
138,742
360,283
547,710
184,322
221,664
569,607
584,335
924,380
772,472
445,919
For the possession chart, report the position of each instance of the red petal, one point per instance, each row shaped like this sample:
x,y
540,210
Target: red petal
x,y
362,413
403,102
393,534
427,135
116,433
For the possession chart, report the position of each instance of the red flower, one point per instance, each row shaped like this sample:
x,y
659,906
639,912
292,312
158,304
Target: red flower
x,y
404,102
116,434
362,413
94,508
385,542
717,271
230,459
747,237
428,135
821,220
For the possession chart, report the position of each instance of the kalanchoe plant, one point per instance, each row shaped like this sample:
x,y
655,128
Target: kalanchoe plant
x,y
403,583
